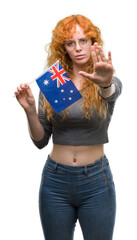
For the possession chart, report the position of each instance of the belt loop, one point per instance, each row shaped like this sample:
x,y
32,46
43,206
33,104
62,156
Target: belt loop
x,y
101,162
55,167
86,170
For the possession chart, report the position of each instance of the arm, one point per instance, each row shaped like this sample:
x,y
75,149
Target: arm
x,y
45,123
112,93
103,73
36,130
26,100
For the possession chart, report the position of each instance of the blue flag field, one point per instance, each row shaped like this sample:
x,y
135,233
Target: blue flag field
x,y
58,88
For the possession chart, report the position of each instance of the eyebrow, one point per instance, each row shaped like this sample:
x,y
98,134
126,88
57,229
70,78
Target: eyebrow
x,y
74,40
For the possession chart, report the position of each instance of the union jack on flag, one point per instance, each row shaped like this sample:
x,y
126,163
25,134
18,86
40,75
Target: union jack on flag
x,y
58,88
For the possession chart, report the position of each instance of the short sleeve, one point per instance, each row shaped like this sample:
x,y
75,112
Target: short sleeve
x,y
118,89
47,125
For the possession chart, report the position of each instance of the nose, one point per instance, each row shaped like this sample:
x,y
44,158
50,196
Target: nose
x,y
77,47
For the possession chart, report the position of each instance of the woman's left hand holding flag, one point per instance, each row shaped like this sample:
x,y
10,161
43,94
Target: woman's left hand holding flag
x,y
25,97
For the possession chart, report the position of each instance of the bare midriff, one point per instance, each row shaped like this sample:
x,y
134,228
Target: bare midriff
x,y
76,155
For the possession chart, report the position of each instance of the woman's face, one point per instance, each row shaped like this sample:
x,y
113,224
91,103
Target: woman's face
x,y
79,47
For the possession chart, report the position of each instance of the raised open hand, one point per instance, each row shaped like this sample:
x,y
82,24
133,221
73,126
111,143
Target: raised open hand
x,y
103,68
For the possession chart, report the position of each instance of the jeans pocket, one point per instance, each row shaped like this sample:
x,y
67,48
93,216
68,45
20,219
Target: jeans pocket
x,y
48,172
96,175
107,174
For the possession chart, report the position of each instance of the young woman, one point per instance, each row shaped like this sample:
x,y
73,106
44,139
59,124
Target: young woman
x,y
77,182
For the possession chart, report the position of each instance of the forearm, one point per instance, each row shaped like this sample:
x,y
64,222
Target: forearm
x,y
108,91
26,100
36,130
111,94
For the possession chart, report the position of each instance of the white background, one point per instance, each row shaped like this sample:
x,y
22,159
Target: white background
x,y
26,27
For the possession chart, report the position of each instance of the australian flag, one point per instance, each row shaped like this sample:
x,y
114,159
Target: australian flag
x,y
58,88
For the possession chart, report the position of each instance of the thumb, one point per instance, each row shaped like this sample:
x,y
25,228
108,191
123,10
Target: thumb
x,y
28,90
85,74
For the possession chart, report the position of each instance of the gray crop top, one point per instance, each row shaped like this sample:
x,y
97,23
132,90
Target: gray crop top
x,y
75,129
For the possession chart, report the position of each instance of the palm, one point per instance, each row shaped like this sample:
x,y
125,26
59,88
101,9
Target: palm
x,y
103,72
103,69
24,100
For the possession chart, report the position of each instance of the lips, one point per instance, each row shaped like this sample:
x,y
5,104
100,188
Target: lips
x,y
80,56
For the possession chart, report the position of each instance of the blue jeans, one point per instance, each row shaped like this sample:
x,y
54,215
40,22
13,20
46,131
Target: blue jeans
x,y
86,193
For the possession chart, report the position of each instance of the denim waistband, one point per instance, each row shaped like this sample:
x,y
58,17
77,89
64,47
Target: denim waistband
x,y
76,169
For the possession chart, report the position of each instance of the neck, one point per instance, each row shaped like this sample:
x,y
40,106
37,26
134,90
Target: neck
x,y
76,75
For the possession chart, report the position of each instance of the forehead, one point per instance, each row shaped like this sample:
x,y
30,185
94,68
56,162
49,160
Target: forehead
x,y
76,32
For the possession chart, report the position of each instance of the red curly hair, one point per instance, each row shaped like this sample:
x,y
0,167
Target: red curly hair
x,y
56,51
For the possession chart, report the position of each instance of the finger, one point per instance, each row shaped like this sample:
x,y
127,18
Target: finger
x,y
95,44
16,93
26,85
85,74
97,50
22,86
103,58
94,55
19,89
109,58
28,90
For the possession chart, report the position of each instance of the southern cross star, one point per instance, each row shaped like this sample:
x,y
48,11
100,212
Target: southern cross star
x,y
46,82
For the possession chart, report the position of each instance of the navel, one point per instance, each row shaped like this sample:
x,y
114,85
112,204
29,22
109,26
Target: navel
x,y
74,158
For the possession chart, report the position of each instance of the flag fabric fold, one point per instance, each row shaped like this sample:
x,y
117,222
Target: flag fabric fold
x,y
58,88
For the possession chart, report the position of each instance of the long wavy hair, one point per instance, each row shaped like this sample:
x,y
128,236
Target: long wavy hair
x,y
56,51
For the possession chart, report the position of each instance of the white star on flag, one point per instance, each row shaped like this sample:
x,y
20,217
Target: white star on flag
x,y
46,82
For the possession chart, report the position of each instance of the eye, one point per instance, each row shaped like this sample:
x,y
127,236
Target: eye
x,y
70,44
83,41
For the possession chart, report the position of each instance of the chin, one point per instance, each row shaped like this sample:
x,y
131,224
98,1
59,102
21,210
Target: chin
x,y
81,62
